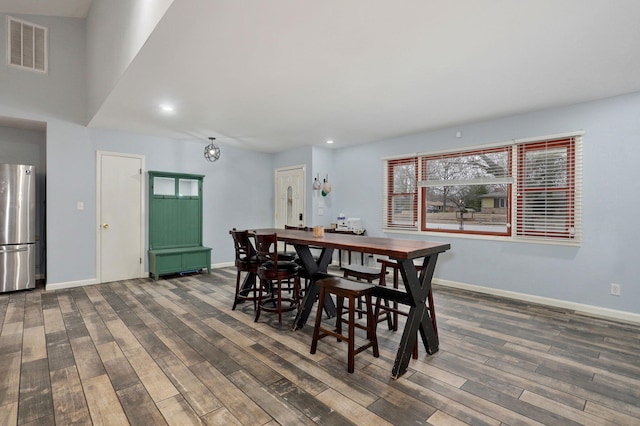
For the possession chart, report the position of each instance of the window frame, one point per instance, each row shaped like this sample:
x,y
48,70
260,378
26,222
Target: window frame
x,y
506,179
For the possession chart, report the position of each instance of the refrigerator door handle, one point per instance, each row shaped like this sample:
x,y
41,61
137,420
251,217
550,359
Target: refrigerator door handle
x,y
13,249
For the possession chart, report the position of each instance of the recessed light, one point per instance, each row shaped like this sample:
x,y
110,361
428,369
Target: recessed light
x,y
329,141
166,107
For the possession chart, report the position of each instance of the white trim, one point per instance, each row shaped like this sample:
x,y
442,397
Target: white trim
x,y
222,265
70,284
595,311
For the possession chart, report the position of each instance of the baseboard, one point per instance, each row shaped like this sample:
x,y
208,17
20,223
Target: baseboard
x,y
222,265
70,284
547,301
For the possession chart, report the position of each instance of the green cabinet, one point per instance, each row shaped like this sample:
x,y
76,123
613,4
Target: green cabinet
x,y
175,224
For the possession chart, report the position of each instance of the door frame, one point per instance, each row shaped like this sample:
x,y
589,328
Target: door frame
x,y
143,231
303,194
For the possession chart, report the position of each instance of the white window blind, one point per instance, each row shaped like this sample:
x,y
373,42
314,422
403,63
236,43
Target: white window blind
x,y
548,189
401,209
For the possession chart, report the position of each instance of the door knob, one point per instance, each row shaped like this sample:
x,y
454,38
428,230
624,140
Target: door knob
x,y
105,225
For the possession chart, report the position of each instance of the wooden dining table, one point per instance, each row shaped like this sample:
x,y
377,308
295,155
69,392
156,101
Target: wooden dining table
x,y
404,251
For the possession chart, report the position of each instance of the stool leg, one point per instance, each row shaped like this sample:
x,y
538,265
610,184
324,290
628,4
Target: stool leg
x,y
372,324
351,339
316,328
339,306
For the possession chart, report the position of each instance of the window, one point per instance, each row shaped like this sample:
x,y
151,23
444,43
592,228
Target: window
x,y
461,190
402,197
547,199
524,189
27,45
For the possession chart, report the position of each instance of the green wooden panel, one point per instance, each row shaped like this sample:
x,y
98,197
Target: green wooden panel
x,y
174,221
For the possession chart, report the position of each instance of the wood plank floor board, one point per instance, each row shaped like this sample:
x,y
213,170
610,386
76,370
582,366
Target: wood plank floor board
x,y
573,414
139,407
35,399
190,387
176,411
288,370
172,351
516,405
86,358
32,311
447,405
273,404
10,379
59,352
104,405
576,390
306,403
120,372
74,324
245,409
151,375
69,403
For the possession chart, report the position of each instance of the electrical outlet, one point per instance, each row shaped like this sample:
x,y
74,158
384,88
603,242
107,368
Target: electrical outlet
x,y
615,289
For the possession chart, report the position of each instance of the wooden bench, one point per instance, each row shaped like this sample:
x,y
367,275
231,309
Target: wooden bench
x,y
179,259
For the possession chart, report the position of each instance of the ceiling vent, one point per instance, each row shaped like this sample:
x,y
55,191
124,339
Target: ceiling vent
x,y
27,45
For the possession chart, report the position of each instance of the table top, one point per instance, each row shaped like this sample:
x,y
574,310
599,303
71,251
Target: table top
x,y
393,247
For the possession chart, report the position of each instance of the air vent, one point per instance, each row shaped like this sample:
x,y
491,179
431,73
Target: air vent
x,y
27,45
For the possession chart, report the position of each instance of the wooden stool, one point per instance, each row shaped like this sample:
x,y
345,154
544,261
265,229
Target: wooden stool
x,y
361,272
352,290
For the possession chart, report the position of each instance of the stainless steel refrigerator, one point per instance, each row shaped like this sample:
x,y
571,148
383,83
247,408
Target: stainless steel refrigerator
x,y
17,227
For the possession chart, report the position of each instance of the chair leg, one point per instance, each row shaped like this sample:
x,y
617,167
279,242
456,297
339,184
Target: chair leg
x,y
235,300
316,328
258,308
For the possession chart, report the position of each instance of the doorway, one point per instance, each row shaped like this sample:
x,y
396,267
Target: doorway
x,y
120,220
290,196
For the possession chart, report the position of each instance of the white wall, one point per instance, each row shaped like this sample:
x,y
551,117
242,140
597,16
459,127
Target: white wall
x,y
580,275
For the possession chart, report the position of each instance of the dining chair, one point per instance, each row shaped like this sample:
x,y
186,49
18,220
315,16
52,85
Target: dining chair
x,y
246,261
276,276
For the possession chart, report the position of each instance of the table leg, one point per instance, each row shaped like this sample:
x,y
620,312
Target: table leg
x,y
418,320
315,270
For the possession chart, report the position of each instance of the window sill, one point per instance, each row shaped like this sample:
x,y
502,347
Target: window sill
x,y
452,235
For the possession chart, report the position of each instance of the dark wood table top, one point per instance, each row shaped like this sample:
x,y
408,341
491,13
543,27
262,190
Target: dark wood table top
x,y
395,248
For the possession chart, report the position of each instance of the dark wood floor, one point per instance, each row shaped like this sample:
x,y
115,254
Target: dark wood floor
x,y
173,351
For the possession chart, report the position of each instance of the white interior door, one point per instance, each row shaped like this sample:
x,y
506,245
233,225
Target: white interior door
x,y
290,197
120,217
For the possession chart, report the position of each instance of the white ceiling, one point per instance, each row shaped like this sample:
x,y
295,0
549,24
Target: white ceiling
x,y
273,75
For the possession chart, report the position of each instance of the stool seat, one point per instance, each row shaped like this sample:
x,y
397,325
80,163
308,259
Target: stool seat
x,y
351,290
361,272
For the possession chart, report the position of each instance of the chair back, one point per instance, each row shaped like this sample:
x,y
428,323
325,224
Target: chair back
x,y
267,250
245,252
